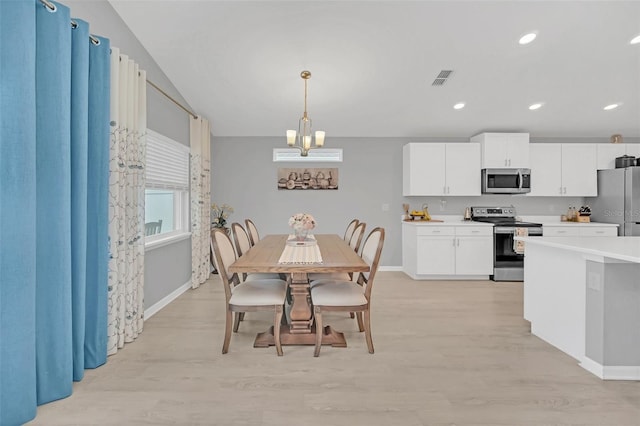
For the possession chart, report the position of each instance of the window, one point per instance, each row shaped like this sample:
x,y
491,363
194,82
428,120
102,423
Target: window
x,y
166,213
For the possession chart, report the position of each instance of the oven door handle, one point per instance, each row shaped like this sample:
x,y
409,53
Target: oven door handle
x,y
533,232
509,230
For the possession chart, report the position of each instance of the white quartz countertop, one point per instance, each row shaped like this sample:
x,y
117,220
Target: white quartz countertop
x,y
621,248
458,222
578,224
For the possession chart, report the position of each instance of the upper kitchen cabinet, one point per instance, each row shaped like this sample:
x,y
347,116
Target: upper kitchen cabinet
x,y
607,153
441,169
563,170
503,150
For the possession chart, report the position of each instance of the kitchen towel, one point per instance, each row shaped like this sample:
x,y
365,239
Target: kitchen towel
x,y
300,254
518,246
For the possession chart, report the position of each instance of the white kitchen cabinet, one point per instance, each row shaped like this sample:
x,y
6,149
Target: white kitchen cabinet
x,y
447,252
500,150
608,152
579,230
441,169
563,170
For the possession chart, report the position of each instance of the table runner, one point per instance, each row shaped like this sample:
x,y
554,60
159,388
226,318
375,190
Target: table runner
x,y
300,255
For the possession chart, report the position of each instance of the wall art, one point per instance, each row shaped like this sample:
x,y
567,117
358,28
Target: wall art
x,y
308,178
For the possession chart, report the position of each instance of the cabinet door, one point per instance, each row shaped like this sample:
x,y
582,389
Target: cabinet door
x,y
579,171
606,154
474,255
462,169
423,169
546,169
494,151
436,255
631,149
517,145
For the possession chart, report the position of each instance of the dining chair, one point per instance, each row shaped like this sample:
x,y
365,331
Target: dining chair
x,y
252,230
249,296
152,228
242,245
350,296
350,228
354,243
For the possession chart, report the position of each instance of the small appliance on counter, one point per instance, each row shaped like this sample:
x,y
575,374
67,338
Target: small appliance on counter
x,y
467,213
625,161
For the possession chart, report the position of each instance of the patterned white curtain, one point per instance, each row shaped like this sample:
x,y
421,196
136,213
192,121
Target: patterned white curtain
x,y
126,201
200,200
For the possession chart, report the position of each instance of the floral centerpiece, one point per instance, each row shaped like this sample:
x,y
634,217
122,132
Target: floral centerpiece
x,y
219,215
302,223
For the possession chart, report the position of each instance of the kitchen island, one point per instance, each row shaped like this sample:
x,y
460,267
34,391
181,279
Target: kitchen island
x,y
582,295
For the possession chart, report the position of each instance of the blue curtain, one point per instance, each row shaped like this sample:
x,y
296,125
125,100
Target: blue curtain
x,y
54,142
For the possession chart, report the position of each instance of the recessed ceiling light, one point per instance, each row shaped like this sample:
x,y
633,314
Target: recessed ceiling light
x,y
459,105
610,107
635,40
535,106
527,38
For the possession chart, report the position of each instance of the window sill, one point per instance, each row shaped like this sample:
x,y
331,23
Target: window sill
x,y
166,239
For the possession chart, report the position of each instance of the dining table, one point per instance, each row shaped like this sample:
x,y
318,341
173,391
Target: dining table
x,y
267,256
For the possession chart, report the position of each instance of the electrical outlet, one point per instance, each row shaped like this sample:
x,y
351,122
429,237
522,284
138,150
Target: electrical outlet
x,y
385,207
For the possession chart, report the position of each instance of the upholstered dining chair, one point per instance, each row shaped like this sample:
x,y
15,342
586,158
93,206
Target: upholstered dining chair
x,y
252,230
354,243
350,296
242,245
249,296
350,228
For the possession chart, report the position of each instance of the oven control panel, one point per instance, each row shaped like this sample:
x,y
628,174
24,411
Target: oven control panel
x,y
493,212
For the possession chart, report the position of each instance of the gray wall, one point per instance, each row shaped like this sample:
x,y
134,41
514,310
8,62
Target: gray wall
x,y
244,176
168,267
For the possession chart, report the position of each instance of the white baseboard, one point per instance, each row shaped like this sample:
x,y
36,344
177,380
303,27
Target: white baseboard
x,y
390,268
623,372
156,307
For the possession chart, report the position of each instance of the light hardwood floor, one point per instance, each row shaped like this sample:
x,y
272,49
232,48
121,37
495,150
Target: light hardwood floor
x,y
447,353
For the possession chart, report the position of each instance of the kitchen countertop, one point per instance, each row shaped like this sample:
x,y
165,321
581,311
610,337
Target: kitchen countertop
x,y
621,248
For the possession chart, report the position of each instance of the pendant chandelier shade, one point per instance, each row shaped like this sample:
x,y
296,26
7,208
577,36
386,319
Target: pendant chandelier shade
x,y
303,139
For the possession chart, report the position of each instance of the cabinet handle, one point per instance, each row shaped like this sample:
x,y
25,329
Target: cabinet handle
x,y
448,190
474,232
562,232
560,190
505,162
509,162
565,190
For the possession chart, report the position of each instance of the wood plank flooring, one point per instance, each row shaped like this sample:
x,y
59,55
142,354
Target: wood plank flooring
x,y
447,353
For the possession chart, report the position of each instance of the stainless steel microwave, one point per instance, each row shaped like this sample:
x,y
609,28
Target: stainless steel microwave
x,y
506,181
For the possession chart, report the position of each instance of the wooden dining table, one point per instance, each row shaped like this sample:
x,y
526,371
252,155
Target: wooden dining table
x,y
337,256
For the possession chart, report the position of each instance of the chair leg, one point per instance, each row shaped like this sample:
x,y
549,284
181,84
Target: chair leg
x,y
352,315
241,316
319,331
227,332
367,330
236,321
276,329
360,324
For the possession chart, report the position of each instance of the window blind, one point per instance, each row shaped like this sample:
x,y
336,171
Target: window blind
x,y
167,163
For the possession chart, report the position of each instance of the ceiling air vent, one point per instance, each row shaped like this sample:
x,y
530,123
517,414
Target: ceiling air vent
x,y
442,77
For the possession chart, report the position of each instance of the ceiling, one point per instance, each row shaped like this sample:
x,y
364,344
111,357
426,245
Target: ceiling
x,y
238,63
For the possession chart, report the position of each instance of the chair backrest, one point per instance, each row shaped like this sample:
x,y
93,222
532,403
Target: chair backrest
x,y
350,228
356,237
254,237
151,228
240,238
225,256
371,251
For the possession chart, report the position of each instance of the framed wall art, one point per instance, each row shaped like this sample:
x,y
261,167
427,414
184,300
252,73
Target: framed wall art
x,y
308,178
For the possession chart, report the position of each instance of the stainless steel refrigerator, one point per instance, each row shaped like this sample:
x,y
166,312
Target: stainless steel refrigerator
x,y
618,199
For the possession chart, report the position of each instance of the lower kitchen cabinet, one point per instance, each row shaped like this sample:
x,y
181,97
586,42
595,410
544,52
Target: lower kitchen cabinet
x,y
447,252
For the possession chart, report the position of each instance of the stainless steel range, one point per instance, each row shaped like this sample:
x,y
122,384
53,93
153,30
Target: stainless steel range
x,y
508,256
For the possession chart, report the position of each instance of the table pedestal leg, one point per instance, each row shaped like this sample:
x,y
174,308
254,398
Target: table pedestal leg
x,y
301,315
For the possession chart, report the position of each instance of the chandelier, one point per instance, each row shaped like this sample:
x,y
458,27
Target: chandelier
x,y
303,137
